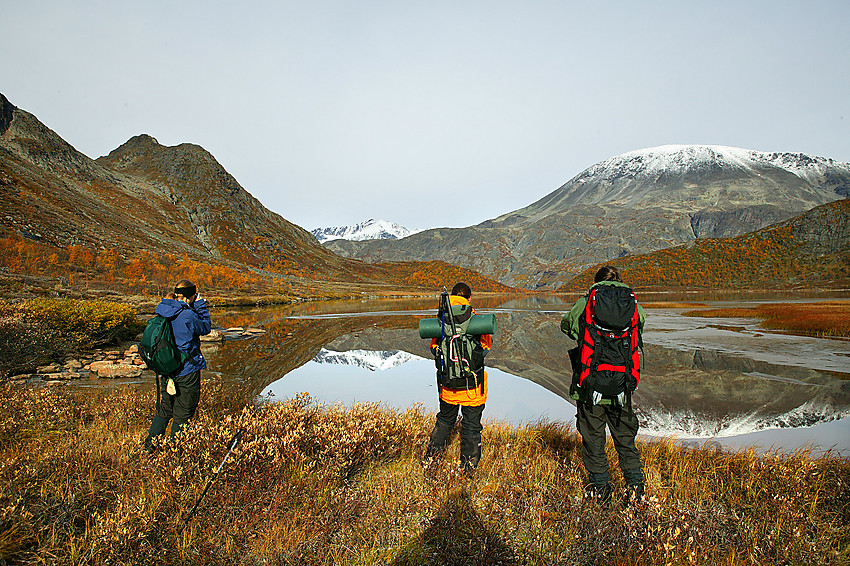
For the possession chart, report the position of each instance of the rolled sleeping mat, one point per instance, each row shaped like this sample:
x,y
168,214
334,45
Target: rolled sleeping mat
x,y
478,324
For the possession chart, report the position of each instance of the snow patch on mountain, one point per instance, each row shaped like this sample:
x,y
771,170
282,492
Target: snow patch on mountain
x,y
369,230
678,159
372,360
688,178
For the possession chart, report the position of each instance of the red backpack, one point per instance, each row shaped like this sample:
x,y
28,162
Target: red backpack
x,y
609,342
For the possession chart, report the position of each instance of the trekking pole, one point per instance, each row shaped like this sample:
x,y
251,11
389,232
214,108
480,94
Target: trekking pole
x,y
236,438
448,310
445,307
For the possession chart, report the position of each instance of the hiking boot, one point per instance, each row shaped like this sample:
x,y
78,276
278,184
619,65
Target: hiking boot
x,y
634,494
433,453
470,456
598,493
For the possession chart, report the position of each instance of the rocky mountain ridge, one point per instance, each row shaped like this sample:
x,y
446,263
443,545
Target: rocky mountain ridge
x,y
221,216
142,194
634,203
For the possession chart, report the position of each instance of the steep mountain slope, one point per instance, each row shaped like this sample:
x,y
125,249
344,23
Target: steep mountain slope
x,y
810,249
209,204
146,200
633,203
369,230
142,195
53,193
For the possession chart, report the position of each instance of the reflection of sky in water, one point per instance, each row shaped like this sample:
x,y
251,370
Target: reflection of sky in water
x,y
510,398
701,385
749,339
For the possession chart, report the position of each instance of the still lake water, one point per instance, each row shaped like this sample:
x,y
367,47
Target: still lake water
x,y
724,381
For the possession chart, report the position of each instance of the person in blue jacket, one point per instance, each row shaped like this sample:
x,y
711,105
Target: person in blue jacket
x,y
178,394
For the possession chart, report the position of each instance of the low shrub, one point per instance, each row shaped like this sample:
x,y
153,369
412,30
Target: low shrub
x,y
314,484
40,331
99,322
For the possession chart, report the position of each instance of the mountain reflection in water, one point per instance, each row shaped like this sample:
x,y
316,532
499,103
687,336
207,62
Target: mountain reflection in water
x,y
366,359
702,378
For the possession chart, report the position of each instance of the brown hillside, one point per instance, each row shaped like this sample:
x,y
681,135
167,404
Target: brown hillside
x,y
147,211
811,250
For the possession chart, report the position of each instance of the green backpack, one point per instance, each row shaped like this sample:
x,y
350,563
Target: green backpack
x,y
459,359
159,349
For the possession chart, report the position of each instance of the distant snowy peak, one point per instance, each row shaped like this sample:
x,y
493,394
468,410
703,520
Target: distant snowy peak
x,y
368,359
369,230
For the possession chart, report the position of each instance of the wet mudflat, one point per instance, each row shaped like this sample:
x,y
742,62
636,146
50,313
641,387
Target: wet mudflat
x,y
725,381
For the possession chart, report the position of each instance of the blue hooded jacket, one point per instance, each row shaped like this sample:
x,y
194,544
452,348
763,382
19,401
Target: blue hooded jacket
x,y
188,323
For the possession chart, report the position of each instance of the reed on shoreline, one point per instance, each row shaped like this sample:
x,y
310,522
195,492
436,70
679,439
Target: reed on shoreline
x,y
313,484
822,319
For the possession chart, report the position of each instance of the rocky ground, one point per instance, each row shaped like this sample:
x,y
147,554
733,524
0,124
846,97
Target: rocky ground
x,y
122,361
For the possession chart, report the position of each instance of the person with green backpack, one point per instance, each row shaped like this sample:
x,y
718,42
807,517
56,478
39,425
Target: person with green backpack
x,y
171,346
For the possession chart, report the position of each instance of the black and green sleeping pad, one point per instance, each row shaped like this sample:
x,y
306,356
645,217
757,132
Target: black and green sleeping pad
x,y
478,324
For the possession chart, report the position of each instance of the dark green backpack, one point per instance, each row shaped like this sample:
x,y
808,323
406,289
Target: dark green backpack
x,y
460,358
159,349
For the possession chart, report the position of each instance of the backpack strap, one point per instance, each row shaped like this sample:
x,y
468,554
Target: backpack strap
x,y
635,346
444,306
186,356
586,342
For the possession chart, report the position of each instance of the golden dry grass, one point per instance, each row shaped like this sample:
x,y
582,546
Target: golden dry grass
x,y
314,484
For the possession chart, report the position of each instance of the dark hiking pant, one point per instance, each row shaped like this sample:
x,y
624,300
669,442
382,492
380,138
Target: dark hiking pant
x,y
623,424
176,408
470,433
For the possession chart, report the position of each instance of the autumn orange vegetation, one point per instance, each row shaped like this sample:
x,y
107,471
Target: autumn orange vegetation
x,y
769,258
151,273
828,318
313,484
436,274
146,272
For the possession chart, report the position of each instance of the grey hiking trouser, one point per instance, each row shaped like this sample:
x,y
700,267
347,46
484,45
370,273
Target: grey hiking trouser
x,y
623,424
175,408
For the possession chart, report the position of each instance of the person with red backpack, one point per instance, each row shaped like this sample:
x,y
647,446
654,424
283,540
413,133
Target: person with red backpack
x,y
607,324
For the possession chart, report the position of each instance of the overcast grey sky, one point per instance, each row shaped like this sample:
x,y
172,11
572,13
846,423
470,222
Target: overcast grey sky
x,y
428,113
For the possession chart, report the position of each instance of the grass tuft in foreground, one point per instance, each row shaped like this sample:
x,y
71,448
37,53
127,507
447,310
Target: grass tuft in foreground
x,y
314,484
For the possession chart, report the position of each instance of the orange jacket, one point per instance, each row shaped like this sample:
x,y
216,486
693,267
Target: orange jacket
x,y
466,397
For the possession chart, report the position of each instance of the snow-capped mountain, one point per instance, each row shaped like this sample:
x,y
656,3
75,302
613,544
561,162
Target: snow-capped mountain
x,y
369,230
630,204
708,174
367,359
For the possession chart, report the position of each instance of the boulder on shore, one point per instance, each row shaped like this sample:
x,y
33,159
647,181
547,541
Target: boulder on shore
x,y
112,369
